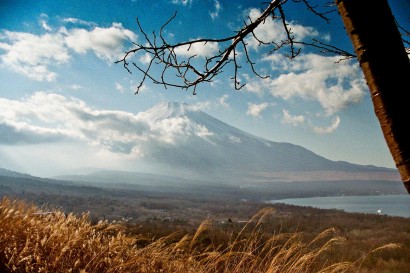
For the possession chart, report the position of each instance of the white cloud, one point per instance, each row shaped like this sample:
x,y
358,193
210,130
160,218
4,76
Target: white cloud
x,y
198,49
253,85
24,133
200,106
316,78
119,87
145,58
330,129
46,118
182,2
222,101
136,88
33,55
272,30
43,22
309,77
79,22
177,129
106,43
36,56
69,118
76,86
295,120
203,105
255,110
218,8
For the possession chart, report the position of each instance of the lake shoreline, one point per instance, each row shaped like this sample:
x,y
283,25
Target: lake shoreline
x,y
392,205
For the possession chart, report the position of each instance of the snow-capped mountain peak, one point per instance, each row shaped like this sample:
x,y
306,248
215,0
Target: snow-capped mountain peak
x,y
166,110
204,143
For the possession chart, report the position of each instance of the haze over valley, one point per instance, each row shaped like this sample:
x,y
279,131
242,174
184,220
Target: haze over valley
x,y
198,151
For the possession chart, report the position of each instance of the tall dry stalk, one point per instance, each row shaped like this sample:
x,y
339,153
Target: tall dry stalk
x,y
55,242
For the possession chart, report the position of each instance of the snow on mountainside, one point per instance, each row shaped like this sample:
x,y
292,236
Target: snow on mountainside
x,y
212,147
176,143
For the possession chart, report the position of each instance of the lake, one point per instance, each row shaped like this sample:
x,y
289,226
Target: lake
x,y
394,205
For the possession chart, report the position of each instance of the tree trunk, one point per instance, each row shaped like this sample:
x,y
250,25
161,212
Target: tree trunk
x,y
386,67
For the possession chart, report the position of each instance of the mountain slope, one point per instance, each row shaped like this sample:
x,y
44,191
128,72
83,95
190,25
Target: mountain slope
x,y
216,148
8,173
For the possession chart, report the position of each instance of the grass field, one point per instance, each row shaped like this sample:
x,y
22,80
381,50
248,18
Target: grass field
x,y
40,239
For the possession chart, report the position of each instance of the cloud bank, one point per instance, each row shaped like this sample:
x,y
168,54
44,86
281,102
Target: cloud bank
x,y
37,55
311,77
46,118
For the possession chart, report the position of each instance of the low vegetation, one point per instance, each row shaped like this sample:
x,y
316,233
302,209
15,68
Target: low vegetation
x,y
41,239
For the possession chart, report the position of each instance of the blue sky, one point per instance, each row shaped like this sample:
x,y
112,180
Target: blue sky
x,y
58,79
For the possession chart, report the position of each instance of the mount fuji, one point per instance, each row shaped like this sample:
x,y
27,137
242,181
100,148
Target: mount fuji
x,y
209,148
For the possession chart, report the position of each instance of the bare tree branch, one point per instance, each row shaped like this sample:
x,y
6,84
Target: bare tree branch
x,y
187,72
404,33
314,10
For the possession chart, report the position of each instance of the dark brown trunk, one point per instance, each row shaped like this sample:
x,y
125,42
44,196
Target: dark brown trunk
x,y
386,67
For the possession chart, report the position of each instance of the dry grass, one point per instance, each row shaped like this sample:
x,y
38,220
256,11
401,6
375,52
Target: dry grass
x,y
55,242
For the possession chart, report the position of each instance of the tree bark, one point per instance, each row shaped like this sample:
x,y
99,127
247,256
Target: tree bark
x,y
386,68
